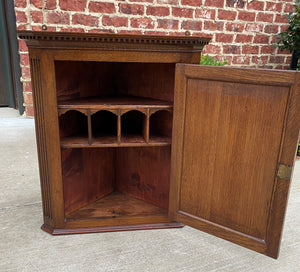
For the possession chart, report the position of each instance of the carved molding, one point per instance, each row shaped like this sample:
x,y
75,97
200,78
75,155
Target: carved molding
x,y
41,137
113,38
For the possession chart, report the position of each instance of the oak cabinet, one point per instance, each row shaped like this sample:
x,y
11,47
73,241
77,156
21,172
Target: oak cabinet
x,y
133,134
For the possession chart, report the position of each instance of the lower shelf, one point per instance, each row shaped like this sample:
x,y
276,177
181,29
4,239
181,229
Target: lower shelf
x,y
116,205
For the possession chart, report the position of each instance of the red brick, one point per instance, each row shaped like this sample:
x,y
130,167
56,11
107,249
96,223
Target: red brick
x,y
24,59
264,17
182,12
261,39
260,59
114,21
25,72
289,8
235,3
193,3
158,11
167,23
212,25
82,19
286,52
224,38
73,5
21,17
29,111
231,49
39,28
274,7
72,29
131,9
268,49
58,18
280,19
201,34
241,38
20,3
21,27
241,60
147,1
37,16
246,16
276,59
235,27
206,13
168,2
133,32
215,3
250,49
254,27
191,25
212,49
28,98
271,29
50,4
97,30
37,3
153,32
226,15
142,23
27,86
283,28
101,7
256,5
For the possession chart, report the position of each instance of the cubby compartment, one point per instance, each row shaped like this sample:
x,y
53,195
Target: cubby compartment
x,y
133,125
160,126
115,183
104,127
73,128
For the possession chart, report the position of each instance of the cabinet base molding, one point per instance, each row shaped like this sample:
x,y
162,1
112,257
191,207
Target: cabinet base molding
x,y
54,231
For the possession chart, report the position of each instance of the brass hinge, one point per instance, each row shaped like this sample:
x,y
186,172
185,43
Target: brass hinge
x,y
284,171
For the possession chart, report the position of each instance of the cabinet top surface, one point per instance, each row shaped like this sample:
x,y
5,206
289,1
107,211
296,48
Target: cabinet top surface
x,y
59,39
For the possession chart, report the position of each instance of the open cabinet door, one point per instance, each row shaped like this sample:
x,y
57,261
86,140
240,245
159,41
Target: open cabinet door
x,y
234,144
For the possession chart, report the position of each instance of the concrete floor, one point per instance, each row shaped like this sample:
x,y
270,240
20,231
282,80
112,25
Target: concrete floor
x,y
24,247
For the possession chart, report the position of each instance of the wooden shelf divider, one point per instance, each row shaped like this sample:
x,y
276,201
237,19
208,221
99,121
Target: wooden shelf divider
x,y
118,106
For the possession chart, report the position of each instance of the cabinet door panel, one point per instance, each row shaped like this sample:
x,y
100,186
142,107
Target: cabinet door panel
x,y
229,126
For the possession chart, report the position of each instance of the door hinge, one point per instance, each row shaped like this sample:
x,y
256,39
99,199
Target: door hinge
x,y
284,171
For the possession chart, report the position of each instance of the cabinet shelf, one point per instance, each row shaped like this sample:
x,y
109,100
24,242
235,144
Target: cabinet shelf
x,y
115,121
111,141
116,205
113,103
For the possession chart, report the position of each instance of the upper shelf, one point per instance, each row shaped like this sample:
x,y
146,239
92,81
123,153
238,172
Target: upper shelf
x,y
114,103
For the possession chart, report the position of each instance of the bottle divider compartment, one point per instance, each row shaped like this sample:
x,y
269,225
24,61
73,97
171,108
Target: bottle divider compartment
x,y
115,127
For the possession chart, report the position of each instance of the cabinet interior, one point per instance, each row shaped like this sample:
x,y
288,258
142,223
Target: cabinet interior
x,y
115,122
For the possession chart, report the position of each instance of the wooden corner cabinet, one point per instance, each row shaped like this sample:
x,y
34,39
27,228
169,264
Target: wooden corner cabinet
x,y
133,134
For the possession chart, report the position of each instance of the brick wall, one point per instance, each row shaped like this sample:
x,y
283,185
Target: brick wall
x,y
242,31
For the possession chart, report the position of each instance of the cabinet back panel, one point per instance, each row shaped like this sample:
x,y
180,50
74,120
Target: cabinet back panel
x,y
144,172
75,79
151,80
88,174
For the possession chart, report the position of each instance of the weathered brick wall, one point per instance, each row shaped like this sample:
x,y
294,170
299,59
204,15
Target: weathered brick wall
x,y
242,31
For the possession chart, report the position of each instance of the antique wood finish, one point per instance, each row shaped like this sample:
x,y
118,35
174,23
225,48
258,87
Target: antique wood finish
x,y
120,150
144,173
85,177
95,94
230,127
